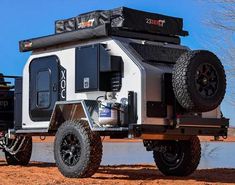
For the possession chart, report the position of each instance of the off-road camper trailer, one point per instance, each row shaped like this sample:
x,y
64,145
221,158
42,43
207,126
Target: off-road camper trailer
x,y
101,74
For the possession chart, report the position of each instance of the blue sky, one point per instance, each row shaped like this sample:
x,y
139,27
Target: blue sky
x,y
27,19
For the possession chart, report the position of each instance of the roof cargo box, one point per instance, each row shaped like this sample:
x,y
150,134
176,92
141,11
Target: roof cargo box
x,y
125,19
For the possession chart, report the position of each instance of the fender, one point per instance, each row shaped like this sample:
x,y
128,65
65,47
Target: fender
x,y
73,110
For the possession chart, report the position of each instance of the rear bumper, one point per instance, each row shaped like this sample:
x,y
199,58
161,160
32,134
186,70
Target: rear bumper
x,y
185,126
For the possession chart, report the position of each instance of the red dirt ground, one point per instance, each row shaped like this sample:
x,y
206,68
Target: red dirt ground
x,y
47,174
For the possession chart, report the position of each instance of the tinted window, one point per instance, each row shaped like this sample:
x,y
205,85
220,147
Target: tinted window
x,y
43,88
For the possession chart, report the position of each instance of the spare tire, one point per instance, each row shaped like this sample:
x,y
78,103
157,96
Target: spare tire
x,y
199,81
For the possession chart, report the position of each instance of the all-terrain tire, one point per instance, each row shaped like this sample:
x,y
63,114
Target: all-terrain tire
x,y
182,164
80,156
199,81
23,156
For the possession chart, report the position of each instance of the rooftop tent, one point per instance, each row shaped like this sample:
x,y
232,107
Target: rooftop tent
x,y
124,18
116,22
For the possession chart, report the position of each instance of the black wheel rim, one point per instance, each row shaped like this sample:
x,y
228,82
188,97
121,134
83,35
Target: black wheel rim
x,y
70,150
206,80
173,156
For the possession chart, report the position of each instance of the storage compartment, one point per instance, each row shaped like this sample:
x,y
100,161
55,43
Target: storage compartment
x,y
87,68
97,70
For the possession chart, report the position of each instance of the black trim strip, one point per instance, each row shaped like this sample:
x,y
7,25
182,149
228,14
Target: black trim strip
x,y
145,36
186,126
203,121
138,130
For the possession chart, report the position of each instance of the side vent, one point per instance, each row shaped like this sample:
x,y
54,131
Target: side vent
x,y
116,81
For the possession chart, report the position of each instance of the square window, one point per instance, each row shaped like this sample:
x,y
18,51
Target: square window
x,y
43,99
43,89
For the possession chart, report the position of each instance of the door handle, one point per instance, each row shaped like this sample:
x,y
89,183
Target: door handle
x,y
54,87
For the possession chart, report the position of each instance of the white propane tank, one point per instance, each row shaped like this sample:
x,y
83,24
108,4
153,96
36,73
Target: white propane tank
x,y
108,113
